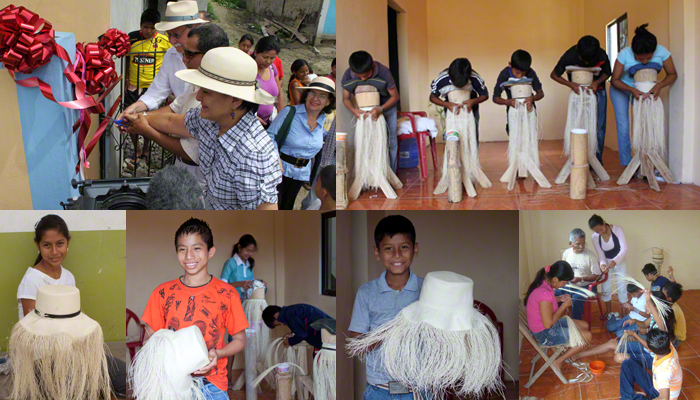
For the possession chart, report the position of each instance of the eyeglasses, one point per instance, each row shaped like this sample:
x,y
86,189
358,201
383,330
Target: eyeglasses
x,y
177,35
321,96
189,54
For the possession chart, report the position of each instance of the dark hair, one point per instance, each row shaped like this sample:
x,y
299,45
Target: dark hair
x,y
632,288
327,109
333,62
595,220
250,106
327,175
210,37
248,38
195,226
245,241
392,226
150,15
521,60
298,64
643,42
266,44
561,270
47,223
459,71
649,269
659,342
674,291
268,315
588,47
361,62
670,319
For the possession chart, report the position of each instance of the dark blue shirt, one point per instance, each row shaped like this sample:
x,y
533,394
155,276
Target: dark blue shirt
x,y
659,283
298,318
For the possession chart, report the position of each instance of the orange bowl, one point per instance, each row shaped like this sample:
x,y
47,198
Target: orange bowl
x,y
597,367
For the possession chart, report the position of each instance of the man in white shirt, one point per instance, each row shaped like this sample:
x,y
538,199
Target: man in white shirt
x,y
585,265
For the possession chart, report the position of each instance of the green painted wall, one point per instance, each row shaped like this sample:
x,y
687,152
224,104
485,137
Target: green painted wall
x,y
97,259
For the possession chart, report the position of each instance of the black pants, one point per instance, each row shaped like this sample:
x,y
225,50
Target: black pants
x,y
117,376
287,193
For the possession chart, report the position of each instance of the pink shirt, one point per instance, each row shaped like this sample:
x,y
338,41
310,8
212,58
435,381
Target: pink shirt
x,y
542,293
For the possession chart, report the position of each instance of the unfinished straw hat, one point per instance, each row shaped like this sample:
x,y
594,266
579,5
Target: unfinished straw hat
x,y
253,307
367,97
179,13
519,88
324,363
163,368
57,350
229,71
645,76
459,96
582,75
440,342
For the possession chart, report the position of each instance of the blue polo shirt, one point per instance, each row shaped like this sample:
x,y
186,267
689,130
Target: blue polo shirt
x,y
298,318
375,304
626,58
301,142
235,270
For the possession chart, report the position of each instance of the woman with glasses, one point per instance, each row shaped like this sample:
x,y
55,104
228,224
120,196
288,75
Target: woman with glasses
x,y
299,141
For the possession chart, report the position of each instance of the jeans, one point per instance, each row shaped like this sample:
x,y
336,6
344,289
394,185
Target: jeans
x,y
117,376
212,392
615,325
602,115
393,142
375,393
633,372
621,104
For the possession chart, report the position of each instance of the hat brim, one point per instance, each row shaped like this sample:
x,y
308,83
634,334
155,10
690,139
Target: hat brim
x,y
77,327
589,69
168,25
323,89
247,93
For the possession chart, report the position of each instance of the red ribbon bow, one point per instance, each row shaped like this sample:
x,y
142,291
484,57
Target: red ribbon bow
x,y
26,41
116,42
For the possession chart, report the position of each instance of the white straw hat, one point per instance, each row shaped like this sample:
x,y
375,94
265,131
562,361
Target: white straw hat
x,y
179,13
320,83
57,310
229,71
446,302
162,368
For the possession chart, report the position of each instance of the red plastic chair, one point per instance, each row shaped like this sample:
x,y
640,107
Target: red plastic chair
x,y
420,141
138,343
587,305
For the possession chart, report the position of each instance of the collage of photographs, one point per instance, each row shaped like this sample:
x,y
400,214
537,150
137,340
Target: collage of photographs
x,y
174,145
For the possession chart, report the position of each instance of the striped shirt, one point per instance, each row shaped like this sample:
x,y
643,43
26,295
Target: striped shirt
x,y
328,150
442,85
668,373
241,167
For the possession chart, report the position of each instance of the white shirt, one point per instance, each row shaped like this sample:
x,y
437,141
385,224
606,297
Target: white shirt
x,y
583,264
620,258
33,279
165,81
638,304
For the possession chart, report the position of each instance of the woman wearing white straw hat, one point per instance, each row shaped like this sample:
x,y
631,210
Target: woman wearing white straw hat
x,y
298,132
236,156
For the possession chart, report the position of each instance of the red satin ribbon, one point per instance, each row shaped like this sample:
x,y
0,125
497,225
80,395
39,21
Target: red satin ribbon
x,y
116,42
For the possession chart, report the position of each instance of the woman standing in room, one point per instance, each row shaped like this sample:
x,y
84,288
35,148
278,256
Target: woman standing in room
x,y
611,246
238,270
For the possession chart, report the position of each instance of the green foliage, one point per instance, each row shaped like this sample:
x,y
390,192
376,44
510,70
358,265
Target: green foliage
x,y
232,3
210,10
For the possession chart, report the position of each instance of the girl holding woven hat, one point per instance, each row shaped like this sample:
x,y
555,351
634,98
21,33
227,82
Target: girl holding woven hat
x,y
298,132
546,318
239,161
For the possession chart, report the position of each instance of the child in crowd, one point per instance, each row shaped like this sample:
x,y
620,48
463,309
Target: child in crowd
x,y
298,318
519,67
300,75
636,309
657,280
673,292
381,299
246,43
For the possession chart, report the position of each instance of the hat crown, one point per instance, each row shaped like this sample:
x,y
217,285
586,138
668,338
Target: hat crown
x,y
187,353
446,290
182,8
231,64
58,299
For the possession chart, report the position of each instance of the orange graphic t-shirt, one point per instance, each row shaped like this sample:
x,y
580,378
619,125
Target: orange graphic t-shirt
x,y
217,308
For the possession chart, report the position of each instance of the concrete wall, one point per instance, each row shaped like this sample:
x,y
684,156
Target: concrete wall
x,y
547,235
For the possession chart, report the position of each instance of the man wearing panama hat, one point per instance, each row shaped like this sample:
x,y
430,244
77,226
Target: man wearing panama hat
x,y
236,156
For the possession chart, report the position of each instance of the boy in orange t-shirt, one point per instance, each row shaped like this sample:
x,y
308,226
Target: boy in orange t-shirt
x,y
198,298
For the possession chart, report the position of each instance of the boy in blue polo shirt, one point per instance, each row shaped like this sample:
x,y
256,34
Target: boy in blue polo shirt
x,y
380,300
518,68
365,71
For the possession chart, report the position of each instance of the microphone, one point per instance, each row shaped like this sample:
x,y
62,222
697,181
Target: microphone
x,y
174,188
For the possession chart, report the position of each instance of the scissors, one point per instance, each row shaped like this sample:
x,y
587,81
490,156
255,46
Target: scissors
x,y
119,122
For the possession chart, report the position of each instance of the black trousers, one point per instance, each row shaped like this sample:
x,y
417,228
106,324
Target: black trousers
x,y
287,193
117,376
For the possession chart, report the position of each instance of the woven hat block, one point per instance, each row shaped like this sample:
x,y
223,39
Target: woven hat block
x,y
186,352
645,79
521,91
459,96
581,75
327,337
367,97
446,302
58,300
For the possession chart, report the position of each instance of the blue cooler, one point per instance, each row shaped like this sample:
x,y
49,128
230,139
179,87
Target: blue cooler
x,y
408,153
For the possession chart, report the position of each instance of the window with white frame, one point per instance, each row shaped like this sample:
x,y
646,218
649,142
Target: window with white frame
x,y
617,37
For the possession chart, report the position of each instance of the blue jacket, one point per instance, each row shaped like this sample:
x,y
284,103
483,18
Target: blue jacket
x,y
298,318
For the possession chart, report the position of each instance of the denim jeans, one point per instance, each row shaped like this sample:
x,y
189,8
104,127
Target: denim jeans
x,y
602,99
375,393
616,326
212,392
633,372
621,104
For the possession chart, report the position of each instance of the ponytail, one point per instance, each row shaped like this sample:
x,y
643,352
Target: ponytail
x,y
560,270
245,241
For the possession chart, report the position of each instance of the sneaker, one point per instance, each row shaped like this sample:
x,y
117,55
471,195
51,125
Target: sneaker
x,y
617,314
611,315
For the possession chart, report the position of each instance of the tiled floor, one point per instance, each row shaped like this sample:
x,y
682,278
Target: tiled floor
x,y
267,392
417,194
607,385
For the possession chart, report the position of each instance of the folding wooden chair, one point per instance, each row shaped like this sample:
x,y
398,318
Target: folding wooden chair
x,y
541,352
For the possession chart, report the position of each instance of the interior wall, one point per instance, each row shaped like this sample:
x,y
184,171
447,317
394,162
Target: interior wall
x,y
64,16
676,231
492,32
346,294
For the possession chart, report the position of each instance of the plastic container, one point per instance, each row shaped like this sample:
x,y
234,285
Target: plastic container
x,y
597,367
340,136
249,333
408,153
283,368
